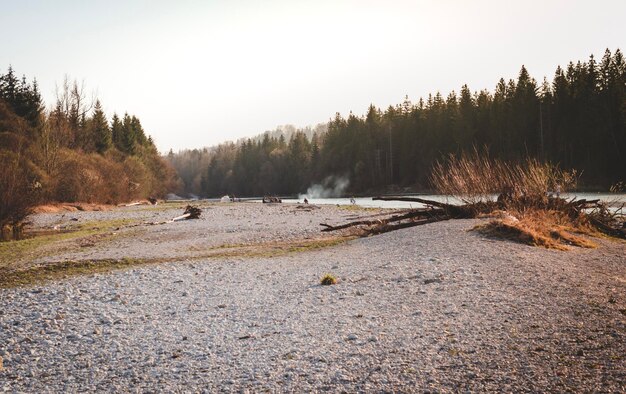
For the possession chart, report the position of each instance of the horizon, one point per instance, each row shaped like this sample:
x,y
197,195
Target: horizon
x,y
198,75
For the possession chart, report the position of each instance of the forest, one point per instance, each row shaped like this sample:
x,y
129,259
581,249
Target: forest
x,y
576,121
72,152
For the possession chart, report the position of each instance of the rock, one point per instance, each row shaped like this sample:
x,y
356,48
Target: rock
x,y
352,337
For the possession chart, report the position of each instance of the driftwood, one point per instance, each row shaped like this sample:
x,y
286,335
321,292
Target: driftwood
x,y
415,217
132,204
191,212
466,211
424,213
391,227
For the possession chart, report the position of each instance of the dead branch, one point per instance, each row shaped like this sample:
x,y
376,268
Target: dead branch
x,y
466,211
387,227
423,213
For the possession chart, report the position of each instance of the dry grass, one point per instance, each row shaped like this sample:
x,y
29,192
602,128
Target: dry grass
x,y
550,229
271,249
530,215
63,207
328,280
475,177
16,254
18,272
42,273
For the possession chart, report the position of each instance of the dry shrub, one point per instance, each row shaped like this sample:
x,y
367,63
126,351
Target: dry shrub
x,y
475,176
19,191
60,207
75,180
550,229
108,179
141,181
89,178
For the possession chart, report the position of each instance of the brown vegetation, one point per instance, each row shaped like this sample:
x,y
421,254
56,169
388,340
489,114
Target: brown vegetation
x,y
524,198
65,207
70,154
528,192
475,177
550,229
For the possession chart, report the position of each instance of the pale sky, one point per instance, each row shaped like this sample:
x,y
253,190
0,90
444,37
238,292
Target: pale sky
x,y
198,73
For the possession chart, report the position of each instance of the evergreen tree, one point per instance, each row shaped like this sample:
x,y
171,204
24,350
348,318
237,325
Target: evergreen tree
x,y
23,98
129,136
100,129
117,133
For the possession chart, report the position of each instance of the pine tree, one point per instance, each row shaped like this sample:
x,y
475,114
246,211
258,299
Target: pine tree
x,y
117,133
100,129
129,136
140,135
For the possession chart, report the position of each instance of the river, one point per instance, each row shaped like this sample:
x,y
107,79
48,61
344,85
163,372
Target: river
x,y
367,202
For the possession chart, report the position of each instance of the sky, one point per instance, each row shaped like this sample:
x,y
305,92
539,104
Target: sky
x,y
198,73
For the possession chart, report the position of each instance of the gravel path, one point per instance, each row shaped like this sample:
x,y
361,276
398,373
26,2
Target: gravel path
x,y
429,308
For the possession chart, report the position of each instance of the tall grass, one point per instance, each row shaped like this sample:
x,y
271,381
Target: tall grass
x,y
521,189
476,177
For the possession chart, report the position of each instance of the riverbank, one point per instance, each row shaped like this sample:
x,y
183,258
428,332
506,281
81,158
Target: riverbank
x,y
232,301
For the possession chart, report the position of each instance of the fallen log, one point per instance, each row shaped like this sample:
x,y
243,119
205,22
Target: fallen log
x,y
412,199
392,227
133,204
466,211
608,230
191,212
181,217
428,213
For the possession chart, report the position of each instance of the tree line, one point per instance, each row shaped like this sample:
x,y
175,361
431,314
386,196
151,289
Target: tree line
x,y
72,152
578,121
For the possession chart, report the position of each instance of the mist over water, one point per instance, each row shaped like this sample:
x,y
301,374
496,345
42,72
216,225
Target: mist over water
x,y
331,186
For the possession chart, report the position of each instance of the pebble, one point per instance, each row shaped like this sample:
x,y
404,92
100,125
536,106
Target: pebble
x,y
264,324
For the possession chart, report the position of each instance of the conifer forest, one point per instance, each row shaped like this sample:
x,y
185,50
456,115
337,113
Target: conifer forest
x,y
577,120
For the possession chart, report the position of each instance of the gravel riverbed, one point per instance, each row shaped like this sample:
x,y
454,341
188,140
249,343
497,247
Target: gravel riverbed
x,y
429,308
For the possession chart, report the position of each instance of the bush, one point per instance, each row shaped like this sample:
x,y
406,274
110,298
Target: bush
x,y
20,191
106,179
328,280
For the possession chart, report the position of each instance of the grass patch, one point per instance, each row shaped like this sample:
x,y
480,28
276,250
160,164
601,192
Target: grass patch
x,y
356,207
271,249
42,245
328,280
16,275
64,269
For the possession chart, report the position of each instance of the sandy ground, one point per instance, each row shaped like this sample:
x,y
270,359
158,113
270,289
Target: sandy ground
x,y
430,308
